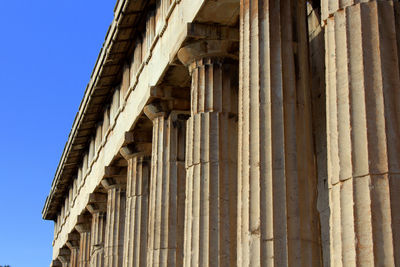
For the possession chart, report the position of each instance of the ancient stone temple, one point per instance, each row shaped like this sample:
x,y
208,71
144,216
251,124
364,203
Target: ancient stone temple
x,y
236,133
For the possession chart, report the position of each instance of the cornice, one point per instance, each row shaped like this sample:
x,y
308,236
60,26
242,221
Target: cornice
x,y
106,74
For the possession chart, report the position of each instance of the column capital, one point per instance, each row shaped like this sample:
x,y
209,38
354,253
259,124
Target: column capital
x,y
156,109
164,107
169,92
165,99
132,150
73,241
113,177
137,137
153,112
72,245
83,223
208,49
64,255
97,203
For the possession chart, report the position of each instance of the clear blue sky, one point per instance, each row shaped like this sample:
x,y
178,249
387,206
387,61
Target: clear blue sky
x,y
48,50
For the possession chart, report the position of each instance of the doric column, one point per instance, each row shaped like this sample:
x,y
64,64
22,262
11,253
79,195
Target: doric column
x,y
363,118
115,184
97,206
167,187
277,208
135,243
73,262
73,245
211,155
64,256
83,227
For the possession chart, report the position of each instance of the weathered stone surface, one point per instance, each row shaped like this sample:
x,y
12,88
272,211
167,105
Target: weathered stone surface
x,y
115,225
73,245
211,162
363,137
297,167
277,215
83,226
150,71
97,239
167,190
136,222
84,249
74,259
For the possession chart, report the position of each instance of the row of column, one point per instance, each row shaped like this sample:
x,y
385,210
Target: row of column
x,y
234,182
278,219
140,221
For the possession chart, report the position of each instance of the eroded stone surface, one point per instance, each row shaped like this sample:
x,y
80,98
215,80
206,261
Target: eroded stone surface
x,y
236,133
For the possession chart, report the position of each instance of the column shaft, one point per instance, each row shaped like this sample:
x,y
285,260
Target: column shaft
x,y
115,226
74,261
363,118
135,243
277,200
84,249
97,239
167,191
211,162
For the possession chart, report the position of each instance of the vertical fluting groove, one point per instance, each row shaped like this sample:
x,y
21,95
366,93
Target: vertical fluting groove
x,y
277,173
84,249
137,211
244,242
189,192
97,239
344,142
211,166
362,118
152,195
392,111
181,192
332,143
74,261
115,226
166,191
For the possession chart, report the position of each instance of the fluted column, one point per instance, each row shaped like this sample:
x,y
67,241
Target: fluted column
x,y
211,149
277,208
85,249
167,189
97,239
74,259
64,256
73,245
115,224
83,227
363,118
97,207
135,243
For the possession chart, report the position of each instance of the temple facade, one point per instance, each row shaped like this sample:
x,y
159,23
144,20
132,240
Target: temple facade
x,y
236,133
